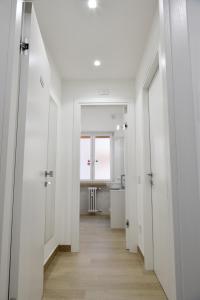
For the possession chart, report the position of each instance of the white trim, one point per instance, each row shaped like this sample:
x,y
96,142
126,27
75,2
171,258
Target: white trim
x,y
10,20
148,214
53,242
130,192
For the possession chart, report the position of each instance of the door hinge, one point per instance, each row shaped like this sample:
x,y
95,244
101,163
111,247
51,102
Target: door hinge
x,y
127,224
24,46
125,126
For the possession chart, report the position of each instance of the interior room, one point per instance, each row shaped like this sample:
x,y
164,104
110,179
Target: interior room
x,y
98,150
102,164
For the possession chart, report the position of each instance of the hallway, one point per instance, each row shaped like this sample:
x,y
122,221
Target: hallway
x,y
103,270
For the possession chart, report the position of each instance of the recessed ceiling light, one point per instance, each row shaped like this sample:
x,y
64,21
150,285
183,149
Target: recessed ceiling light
x,y
118,127
97,63
92,4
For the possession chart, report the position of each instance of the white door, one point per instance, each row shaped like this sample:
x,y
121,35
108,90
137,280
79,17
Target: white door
x,y
127,197
27,253
160,202
51,172
129,175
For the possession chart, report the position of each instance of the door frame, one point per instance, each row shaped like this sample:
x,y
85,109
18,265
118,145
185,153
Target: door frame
x,y
26,10
148,209
157,63
10,34
51,244
19,158
131,171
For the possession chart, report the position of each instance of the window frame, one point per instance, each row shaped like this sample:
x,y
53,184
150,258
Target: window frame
x,y
92,136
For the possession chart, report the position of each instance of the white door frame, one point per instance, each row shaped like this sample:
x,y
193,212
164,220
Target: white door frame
x,y
148,213
51,245
10,24
131,171
156,63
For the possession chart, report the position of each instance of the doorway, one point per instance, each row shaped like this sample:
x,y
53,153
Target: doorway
x,y
131,239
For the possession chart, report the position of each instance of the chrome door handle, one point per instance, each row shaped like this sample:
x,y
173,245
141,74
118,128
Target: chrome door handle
x,y
47,183
150,174
48,174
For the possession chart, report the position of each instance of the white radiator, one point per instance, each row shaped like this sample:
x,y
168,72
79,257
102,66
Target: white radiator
x,y
92,200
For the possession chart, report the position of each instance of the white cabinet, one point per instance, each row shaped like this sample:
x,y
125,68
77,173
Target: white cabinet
x,y
117,208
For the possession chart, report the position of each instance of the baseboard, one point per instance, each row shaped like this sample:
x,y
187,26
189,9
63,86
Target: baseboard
x,y
64,248
140,253
59,248
102,214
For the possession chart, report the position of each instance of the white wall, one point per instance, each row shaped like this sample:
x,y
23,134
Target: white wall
x,y
151,50
83,90
181,49
56,94
101,118
194,25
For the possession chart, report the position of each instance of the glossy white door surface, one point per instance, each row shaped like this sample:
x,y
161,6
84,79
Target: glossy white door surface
x,y
160,202
27,259
51,172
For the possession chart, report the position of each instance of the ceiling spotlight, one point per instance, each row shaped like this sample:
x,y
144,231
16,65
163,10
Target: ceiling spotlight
x,y
118,127
92,4
97,63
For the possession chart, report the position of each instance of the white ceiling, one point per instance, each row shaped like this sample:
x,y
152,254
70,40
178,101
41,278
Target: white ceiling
x,y
115,33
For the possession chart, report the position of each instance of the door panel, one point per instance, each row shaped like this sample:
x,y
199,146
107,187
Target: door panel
x,y
160,202
51,172
27,252
85,158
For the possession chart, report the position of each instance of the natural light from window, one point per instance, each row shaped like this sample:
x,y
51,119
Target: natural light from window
x,y
95,158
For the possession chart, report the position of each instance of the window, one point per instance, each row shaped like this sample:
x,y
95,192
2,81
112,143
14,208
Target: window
x,y
95,158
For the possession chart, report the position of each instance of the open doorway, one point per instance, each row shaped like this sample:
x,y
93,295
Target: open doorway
x,y
102,173
128,128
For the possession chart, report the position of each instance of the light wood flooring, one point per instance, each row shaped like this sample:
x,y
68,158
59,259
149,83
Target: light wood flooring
x,y
103,270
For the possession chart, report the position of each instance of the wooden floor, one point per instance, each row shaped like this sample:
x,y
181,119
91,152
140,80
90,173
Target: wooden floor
x,y
103,270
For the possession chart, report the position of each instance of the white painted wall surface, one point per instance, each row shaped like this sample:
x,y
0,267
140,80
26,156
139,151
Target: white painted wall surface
x,y
84,90
194,25
101,118
180,48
